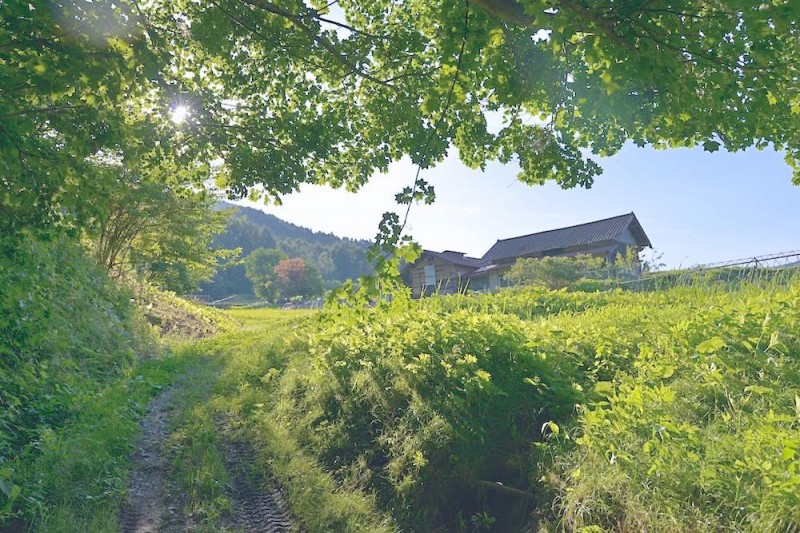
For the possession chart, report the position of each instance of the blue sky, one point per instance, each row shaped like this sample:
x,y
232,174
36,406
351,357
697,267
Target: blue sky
x,y
696,207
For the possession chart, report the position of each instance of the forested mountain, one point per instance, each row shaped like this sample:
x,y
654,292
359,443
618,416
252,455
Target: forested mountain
x,y
336,258
282,230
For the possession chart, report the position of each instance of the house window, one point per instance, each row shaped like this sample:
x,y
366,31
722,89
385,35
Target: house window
x,y
430,275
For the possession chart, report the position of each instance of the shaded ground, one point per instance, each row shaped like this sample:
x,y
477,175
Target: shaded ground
x,y
143,508
15,525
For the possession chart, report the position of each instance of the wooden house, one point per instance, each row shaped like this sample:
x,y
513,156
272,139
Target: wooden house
x,y
441,272
449,271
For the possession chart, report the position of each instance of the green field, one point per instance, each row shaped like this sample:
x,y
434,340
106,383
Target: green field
x,y
262,317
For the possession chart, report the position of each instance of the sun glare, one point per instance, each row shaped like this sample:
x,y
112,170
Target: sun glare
x,y
179,114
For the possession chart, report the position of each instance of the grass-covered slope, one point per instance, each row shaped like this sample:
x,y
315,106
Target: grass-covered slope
x,y
78,365
659,411
63,324
66,332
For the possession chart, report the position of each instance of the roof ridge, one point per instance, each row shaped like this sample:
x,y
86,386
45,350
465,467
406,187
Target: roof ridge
x,y
566,227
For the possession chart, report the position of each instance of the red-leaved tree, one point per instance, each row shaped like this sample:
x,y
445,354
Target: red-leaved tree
x,y
293,277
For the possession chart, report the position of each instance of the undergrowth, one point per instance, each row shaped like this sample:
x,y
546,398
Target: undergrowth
x,y
663,411
249,367
78,366
66,333
74,478
675,410
176,319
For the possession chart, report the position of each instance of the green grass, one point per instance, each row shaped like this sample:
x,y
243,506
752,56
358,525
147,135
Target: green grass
x,y
663,411
242,389
74,478
264,317
176,319
193,447
69,340
668,411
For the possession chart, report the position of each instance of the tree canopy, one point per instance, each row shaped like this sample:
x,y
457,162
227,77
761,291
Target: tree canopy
x,y
277,94
260,270
296,278
164,234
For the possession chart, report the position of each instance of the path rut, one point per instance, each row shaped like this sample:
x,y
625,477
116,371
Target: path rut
x,y
154,502
258,503
143,509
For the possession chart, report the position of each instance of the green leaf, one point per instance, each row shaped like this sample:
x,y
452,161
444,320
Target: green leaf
x,y
759,389
5,488
552,426
771,98
711,345
603,388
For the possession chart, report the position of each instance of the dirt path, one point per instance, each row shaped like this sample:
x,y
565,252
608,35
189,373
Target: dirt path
x,y
143,509
155,502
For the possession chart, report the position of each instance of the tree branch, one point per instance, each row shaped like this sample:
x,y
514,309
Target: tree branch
x,y
506,10
42,110
299,23
599,21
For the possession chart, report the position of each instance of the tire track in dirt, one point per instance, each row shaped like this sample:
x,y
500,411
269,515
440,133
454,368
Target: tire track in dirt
x,y
258,504
154,502
143,508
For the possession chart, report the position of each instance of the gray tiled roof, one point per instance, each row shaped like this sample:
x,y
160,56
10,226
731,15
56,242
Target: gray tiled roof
x,y
557,239
457,258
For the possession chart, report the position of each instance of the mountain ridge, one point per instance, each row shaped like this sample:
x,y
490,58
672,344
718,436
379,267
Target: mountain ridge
x,y
283,229
335,258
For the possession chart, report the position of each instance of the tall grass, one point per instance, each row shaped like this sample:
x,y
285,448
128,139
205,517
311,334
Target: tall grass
x,y
244,393
66,333
671,410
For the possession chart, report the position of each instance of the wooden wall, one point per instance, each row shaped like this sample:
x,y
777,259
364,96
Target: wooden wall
x,y
447,275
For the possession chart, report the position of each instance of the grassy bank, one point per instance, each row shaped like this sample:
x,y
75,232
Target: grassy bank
x,y
660,411
78,365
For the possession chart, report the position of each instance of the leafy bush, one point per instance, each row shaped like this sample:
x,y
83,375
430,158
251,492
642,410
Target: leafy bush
x,y
700,407
592,285
424,409
674,410
556,272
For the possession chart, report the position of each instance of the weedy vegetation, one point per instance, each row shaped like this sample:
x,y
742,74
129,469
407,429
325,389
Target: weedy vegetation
x,y
674,410
78,365
531,409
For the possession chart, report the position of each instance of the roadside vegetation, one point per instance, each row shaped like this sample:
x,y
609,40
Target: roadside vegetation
x,y
80,358
614,411
530,409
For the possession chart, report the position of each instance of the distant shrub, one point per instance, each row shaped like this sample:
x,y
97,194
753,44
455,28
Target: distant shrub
x,y
592,285
554,272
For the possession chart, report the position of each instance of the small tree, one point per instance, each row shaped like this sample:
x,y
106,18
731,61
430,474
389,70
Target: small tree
x,y
627,265
295,277
161,231
556,272
260,270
